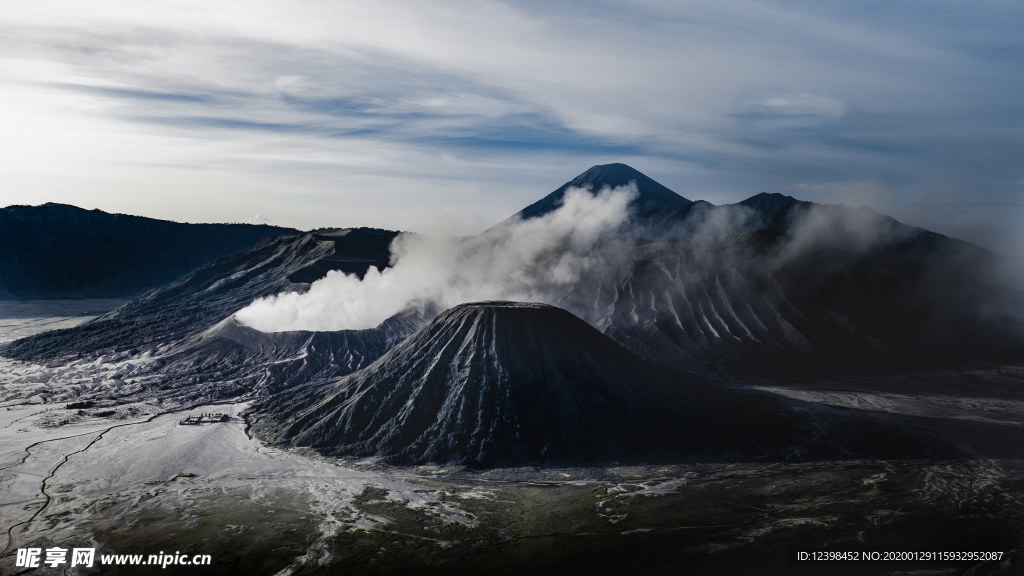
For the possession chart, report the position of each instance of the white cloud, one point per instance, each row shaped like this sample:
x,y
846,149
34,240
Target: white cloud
x,y
795,104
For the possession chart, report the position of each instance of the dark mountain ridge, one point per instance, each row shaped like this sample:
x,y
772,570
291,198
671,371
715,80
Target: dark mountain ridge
x,y
62,251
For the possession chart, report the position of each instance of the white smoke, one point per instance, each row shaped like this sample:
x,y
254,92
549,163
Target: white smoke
x,y
536,260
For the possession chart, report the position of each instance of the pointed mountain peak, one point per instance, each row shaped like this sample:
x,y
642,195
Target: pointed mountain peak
x,y
611,175
652,197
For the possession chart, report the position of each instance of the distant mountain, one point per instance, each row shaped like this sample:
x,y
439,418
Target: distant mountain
x,y
494,383
61,251
651,198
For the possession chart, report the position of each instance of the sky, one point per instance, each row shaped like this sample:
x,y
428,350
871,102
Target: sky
x,y
453,115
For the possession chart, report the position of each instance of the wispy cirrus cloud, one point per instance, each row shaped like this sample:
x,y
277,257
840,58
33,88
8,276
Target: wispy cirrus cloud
x,y
792,106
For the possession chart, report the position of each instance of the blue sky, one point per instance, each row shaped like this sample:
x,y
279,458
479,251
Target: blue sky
x,y
420,114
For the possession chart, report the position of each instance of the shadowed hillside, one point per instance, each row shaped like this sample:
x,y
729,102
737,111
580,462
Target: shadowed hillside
x,y
61,251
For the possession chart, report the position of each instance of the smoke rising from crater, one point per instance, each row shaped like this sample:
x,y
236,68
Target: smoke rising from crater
x,y
535,260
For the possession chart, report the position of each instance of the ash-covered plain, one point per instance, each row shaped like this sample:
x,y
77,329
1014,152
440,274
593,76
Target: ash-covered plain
x,y
616,379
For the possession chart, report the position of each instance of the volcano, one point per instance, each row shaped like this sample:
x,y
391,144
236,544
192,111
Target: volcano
x,y
652,197
493,383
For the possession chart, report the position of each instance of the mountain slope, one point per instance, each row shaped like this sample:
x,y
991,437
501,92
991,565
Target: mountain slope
x,y
61,251
355,251
776,282
242,361
199,300
493,383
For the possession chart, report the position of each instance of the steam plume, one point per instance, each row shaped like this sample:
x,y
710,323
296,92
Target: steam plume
x,y
537,260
